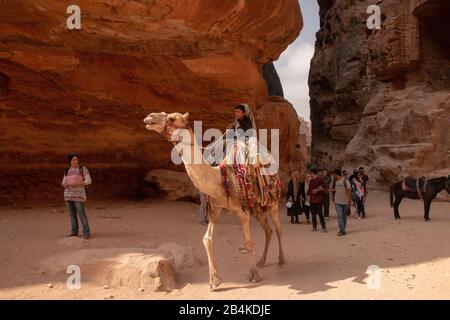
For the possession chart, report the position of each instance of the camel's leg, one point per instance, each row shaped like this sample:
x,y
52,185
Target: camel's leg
x,y
265,225
245,222
214,279
278,227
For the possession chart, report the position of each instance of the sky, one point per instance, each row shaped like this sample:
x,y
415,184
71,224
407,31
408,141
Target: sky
x,y
293,64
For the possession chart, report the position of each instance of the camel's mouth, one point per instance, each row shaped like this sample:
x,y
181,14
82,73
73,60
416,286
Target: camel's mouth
x,y
149,123
155,122
149,120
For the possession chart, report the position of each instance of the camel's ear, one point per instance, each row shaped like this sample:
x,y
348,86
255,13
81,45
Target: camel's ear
x,y
186,117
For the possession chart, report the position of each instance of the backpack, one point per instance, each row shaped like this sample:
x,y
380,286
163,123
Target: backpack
x,y
82,174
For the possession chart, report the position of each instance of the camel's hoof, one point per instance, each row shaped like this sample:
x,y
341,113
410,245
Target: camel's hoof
x,y
215,284
282,262
243,250
254,277
426,220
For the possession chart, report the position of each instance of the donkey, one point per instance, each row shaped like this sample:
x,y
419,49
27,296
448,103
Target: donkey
x,y
429,191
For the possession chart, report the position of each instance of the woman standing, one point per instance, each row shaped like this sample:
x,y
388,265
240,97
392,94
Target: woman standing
x,y
359,195
304,186
75,180
294,198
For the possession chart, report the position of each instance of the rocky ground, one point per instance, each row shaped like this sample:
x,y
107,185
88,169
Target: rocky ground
x,y
414,256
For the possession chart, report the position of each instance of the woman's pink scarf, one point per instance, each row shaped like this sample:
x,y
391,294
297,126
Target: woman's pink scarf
x,y
359,187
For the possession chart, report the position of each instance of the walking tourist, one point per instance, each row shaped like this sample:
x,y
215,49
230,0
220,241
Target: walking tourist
x,y
358,190
316,191
294,198
342,200
306,204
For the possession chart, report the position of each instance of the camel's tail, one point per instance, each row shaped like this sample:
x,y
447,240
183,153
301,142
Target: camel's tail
x,y
392,195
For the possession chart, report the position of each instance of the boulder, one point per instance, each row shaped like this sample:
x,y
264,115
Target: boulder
x,y
184,256
173,185
136,268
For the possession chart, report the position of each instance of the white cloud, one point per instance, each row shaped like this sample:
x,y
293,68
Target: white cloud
x,y
293,69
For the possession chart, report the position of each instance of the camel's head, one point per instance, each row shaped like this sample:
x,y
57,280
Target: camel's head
x,y
166,124
156,121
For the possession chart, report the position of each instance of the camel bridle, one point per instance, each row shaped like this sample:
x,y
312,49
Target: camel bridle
x,y
168,133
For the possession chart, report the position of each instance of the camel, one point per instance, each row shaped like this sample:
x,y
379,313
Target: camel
x,y
208,180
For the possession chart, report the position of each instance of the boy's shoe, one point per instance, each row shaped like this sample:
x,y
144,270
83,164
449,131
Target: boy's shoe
x,y
340,234
72,235
324,230
86,237
314,229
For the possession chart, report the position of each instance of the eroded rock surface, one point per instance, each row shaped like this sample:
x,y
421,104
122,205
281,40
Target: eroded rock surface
x,y
136,268
184,257
172,185
88,90
381,98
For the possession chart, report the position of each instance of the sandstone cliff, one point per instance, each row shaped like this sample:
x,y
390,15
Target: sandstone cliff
x,y
88,90
381,98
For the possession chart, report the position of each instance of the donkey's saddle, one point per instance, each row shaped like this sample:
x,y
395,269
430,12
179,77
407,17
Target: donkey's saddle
x,y
411,184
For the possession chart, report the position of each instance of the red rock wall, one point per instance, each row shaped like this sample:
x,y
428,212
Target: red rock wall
x,y
88,90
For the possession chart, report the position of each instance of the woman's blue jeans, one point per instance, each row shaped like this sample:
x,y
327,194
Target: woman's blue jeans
x,y
74,208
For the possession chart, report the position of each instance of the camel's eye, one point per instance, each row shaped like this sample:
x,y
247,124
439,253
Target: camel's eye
x,y
171,119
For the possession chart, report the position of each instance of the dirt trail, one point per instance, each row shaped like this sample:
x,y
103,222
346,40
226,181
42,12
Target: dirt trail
x,y
414,256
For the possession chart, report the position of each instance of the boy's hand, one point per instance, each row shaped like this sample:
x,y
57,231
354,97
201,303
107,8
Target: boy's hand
x,y
231,125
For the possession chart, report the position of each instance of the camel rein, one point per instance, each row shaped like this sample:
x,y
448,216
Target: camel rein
x,y
169,135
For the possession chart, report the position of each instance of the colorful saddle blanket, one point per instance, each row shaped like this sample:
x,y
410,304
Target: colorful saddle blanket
x,y
252,186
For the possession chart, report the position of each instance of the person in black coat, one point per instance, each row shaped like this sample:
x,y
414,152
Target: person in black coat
x,y
294,197
304,185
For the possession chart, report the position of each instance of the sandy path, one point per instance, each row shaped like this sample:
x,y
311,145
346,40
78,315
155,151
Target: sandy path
x,y
414,256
